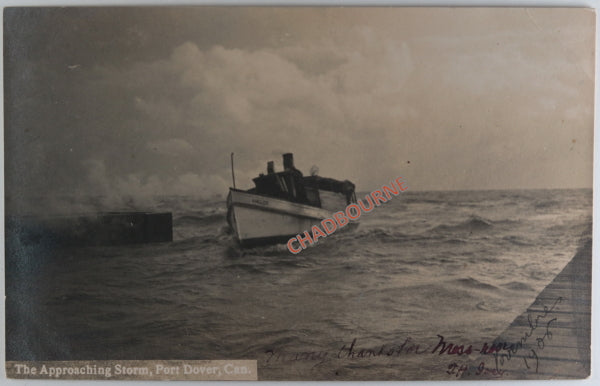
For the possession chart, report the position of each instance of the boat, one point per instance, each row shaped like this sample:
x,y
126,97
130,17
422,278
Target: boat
x,y
284,204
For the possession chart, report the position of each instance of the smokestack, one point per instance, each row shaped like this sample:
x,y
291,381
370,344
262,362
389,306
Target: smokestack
x,y
270,167
288,161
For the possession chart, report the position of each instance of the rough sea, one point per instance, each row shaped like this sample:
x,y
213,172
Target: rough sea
x,y
461,265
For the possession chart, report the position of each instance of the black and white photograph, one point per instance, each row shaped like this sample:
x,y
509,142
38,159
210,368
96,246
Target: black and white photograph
x,y
313,193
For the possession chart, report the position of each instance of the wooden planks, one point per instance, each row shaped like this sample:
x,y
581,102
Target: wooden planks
x,y
551,340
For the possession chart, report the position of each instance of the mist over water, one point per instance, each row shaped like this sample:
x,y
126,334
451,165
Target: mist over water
x,y
458,264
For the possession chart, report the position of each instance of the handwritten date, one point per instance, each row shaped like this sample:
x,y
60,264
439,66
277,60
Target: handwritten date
x,y
459,369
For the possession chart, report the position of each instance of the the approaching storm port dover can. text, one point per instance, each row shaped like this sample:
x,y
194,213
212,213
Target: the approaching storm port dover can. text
x,y
182,370
342,218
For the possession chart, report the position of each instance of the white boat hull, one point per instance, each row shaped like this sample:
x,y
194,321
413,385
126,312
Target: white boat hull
x,y
261,220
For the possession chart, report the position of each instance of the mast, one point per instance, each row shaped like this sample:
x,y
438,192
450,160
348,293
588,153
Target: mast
x,y
232,172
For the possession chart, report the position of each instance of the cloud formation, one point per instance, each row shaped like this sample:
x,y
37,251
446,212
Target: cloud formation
x,y
466,104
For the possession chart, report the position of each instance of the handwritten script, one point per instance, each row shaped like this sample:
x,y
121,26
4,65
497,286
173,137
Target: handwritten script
x,y
534,339
505,351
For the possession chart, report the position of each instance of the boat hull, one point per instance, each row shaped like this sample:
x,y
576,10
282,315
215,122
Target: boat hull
x,y
260,220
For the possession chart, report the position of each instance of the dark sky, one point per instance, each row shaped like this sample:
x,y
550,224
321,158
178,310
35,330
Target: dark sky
x,y
152,100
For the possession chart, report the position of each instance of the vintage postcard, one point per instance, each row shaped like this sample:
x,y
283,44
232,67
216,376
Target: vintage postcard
x,y
298,193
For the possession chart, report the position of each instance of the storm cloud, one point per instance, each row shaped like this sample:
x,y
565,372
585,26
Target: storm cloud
x,y
146,101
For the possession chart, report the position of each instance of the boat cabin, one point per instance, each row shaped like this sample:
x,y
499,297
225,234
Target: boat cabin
x,y
291,185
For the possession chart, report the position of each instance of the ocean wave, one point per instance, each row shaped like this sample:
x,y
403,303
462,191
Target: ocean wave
x,y
245,267
197,241
545,204
471,283
380,234
475,223
260,250
421,200
456,241
517,240
482,306
507,222
518,286
200,218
